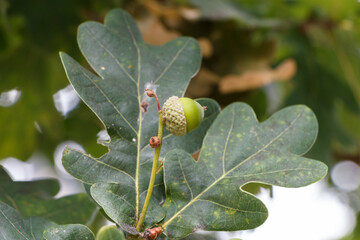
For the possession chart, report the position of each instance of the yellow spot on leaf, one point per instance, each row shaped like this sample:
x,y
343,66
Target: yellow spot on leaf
x,y
231,212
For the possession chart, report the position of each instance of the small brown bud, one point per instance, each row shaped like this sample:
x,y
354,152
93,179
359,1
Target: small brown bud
x,y
150,92
144,106
154,142
152,233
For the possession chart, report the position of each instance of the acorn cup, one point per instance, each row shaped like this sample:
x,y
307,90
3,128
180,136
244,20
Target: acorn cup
x,y
182,115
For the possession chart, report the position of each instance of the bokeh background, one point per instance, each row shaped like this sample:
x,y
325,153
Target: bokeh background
x,y
269,54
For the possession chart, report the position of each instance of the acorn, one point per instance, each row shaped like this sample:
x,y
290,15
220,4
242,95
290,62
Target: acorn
x,y
181,115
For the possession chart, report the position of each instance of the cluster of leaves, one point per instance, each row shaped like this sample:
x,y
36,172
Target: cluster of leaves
x,y
27,209
243,34
235,147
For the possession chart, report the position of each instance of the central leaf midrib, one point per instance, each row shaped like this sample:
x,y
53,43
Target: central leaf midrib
x,y
111,54
137,192
110,102
224,175
172,61
31,228
98,162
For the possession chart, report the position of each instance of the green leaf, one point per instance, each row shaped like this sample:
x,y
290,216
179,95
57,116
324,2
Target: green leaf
x,y
76,208
126,65
37,189
36,199
197,236
206,194
36,226
12,226
69,232
110,233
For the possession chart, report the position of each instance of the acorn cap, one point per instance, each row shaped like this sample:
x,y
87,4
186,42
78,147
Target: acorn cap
x,y
181,115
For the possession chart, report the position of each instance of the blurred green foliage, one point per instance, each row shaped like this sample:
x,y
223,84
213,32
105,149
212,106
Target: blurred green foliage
x,y
31,35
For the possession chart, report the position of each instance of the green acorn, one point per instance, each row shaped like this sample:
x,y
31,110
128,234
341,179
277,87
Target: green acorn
x,y
181,115
109,232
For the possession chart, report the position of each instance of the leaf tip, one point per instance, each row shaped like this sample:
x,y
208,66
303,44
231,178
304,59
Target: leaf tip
x,y
62,54
66,151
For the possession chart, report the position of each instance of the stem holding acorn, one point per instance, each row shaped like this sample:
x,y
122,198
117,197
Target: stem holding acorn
x,y
180,115
155,142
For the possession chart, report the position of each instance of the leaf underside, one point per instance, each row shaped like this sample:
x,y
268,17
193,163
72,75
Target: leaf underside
x,y
12,226
206,194
125,65
69,232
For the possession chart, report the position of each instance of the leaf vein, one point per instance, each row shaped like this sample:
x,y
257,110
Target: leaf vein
x,y
123,198
171,62
98,162
111,54
226,142
183,173
109,101
137,191
269,172
227,207
11,223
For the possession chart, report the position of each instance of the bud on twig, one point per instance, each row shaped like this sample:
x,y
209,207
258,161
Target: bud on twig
x,y
144,106
152,233
152,93
154,142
